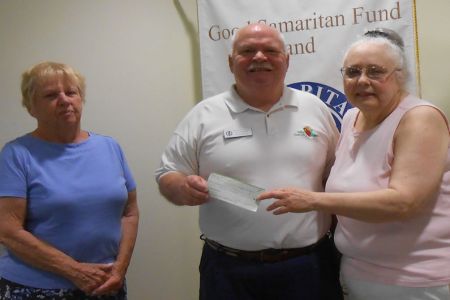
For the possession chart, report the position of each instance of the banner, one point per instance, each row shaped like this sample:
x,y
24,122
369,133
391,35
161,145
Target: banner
x,y
317,33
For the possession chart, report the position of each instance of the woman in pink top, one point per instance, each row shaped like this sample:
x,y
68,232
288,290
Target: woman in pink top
x,y
390,184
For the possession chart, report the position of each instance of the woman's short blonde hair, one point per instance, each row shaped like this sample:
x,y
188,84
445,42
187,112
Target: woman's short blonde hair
x,y
41,72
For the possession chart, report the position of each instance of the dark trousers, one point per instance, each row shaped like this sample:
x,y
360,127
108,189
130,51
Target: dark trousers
x,y
308,277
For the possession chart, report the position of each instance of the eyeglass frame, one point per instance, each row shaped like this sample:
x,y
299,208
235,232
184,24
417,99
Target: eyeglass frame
x,y
384,77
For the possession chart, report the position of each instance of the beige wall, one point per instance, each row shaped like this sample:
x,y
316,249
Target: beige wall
x,y
142,73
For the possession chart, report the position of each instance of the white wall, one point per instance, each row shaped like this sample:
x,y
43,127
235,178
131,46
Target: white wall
x,y
434,46
140,59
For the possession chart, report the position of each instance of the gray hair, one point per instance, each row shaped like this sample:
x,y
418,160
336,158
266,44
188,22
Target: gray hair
x,y
279,34
393,42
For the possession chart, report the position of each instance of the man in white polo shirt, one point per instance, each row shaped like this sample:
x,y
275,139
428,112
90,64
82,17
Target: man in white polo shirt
x,y
267,135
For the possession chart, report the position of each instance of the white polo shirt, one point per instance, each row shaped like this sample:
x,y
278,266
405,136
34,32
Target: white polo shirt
x,y
291,145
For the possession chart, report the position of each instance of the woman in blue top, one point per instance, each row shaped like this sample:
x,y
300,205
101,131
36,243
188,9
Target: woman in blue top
x,y
68,208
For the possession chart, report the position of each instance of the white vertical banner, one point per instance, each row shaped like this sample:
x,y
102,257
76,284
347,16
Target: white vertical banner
x,y
317,33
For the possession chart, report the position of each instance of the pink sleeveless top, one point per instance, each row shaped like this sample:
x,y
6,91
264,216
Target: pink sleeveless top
x,y
415,252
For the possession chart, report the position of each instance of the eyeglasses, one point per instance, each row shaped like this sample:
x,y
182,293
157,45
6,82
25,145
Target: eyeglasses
x,y
372,72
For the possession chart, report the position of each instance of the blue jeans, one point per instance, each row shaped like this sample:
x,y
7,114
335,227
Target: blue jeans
x,y
308,277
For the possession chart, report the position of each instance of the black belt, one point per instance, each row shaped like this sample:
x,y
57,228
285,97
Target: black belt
x,y
266,255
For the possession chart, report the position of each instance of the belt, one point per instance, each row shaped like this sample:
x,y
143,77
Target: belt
x,y
266,255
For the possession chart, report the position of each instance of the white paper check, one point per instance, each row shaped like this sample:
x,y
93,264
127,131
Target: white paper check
x,y
233,191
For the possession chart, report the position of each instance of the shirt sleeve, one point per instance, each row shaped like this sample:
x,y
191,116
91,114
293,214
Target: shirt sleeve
x,y
130,183
180,155
13,172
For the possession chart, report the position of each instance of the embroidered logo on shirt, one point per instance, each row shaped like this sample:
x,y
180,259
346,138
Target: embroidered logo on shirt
x,y
333,98
306,131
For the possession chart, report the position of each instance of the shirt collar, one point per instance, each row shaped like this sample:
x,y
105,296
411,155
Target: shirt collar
x,y
237,105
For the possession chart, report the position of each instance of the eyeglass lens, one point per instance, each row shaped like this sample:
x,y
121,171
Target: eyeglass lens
x,y
372,72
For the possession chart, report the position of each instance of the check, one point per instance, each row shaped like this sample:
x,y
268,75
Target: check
x,y
233,191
